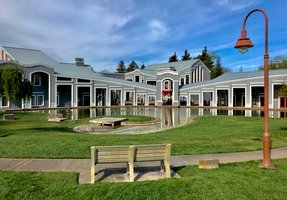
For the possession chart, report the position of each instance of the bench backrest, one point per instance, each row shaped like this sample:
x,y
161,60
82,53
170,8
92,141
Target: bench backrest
x,y
155,152
134,153
111,154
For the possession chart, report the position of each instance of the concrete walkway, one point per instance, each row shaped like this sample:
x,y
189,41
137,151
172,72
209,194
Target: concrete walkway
x,y
82,166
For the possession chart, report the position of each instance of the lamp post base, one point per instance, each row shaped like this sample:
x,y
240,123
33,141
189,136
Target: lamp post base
x,y
266,165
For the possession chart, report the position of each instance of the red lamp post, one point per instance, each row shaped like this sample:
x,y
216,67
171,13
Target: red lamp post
x,y
243,44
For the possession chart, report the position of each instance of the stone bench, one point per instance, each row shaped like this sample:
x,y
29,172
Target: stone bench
x,y
8,117
56,117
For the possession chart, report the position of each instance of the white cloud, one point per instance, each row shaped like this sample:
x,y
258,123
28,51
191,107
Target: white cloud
x,y
157,30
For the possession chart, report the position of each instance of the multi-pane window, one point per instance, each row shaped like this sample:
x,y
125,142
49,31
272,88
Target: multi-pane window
x,y
37,80
37,100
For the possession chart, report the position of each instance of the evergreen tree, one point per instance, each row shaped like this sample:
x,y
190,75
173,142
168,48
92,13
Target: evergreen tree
x,y
132,66
217,70
173,58
121,67
143,66
206,59
186,56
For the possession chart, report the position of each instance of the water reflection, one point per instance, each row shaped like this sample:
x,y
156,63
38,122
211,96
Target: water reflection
x,y
170,117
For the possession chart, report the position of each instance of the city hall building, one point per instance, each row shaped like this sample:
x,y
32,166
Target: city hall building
x,y
183,83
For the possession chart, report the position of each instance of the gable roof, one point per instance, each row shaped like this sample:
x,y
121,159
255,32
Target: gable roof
x,y
32,58
180,65
235,76
29,56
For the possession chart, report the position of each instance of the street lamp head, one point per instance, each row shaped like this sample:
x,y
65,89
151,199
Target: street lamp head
x,y
243,43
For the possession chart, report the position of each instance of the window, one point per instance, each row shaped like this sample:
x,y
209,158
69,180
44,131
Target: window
x,y
40,100
129,98
187,79
37,80
64,79
33,100
141,99
183,100
181,81
151,100
83,81
115,97
137,78
5,102
37,100
151,82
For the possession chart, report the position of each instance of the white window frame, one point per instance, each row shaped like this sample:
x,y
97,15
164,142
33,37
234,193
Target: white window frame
x,y
37,77
182,81
137,95
187,75
35,100
43,102
154,99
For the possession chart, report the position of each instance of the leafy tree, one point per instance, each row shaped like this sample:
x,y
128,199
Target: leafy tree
x,y
121,67
186,56
143,66
12,83
132,66
283,91
279,62
217,70
173,58
206,59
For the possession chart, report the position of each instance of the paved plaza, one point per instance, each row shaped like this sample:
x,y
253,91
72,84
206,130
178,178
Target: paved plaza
x,y
117,172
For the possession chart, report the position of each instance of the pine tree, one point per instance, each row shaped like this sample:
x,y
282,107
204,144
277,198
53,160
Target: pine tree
x,y
217,70
132,66
186,56
143,66
173,58
206,59
121,67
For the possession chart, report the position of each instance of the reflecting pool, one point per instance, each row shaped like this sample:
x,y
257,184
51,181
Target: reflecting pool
x,y
169,116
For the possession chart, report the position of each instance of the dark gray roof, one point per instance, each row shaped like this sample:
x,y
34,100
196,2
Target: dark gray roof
x,y
177,65
87,72
29,56
234,76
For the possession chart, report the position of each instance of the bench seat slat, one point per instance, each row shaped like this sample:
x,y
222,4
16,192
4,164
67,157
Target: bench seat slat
x,y
139,151
116,153
112,161
149,159
150,155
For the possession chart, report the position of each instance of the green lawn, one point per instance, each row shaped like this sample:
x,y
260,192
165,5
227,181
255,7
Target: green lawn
x,y
32,136
230,181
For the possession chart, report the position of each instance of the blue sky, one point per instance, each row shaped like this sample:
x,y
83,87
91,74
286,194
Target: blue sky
x,y
105,31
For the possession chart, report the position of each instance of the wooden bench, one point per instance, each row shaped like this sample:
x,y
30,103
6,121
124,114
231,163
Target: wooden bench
x,y
130,155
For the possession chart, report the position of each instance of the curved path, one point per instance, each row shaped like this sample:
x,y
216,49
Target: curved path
x,y
82,166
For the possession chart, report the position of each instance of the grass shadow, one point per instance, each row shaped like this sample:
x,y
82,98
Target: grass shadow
x,y
52,129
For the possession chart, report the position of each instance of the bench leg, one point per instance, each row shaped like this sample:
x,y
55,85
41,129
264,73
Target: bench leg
x,y
93,168
167,169
131,171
